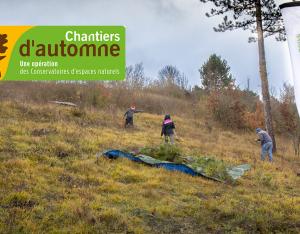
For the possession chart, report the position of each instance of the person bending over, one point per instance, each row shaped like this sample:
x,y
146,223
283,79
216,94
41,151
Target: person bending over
x,y
266,144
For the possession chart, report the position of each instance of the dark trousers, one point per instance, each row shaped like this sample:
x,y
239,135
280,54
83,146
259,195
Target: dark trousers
x,y
128,121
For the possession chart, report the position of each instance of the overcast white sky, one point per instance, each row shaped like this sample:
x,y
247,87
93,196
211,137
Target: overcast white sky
x,y
161,32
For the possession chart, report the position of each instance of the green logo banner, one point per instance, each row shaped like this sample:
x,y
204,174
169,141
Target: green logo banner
x,y
62,53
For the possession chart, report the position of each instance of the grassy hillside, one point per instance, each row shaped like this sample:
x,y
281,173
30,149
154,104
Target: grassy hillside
x,y
51,181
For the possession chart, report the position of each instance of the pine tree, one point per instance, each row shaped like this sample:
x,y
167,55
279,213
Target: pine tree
x,y
215,74
262,17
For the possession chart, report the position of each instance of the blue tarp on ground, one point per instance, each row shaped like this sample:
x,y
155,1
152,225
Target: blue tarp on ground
x,y
114,154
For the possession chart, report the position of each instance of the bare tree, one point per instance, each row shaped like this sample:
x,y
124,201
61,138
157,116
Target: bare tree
x,y
135,76
171,76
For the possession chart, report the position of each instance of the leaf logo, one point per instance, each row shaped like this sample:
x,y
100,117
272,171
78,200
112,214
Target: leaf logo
x,y
3,48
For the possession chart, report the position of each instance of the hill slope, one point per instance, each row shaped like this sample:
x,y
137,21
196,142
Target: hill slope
x,y
51,181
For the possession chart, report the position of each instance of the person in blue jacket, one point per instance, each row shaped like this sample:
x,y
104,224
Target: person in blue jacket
x,y
266,144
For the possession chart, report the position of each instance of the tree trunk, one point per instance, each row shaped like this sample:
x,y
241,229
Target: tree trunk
x,y
263,73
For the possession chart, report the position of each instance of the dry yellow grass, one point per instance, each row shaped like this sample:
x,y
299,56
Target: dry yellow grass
x,y
52,183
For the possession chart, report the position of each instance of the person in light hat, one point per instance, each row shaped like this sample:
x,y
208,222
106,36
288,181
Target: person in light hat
x,y
266,144
129,116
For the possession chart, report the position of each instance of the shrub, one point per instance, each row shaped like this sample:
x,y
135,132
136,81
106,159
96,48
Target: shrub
x,y
226,109
255,119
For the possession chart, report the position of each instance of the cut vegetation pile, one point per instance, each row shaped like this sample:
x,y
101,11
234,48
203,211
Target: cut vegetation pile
x,y
209,166
164,152
169,157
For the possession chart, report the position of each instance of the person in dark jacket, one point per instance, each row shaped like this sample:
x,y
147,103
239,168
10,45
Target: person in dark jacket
x,y
266,144
168,129
129,116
